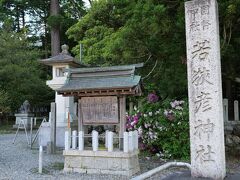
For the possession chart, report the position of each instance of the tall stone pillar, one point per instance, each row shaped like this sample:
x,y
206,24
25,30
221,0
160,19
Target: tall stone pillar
x,y
205,89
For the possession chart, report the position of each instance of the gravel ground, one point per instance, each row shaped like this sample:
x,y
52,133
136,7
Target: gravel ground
x,y
18,162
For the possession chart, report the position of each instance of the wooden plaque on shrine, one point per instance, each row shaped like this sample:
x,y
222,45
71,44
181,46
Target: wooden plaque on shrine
x,y
100,110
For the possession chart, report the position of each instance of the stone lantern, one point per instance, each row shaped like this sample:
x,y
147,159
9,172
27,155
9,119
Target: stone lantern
x,y
60,65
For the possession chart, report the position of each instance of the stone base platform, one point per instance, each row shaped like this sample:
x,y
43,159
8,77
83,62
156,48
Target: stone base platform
x,y
26,119
101,162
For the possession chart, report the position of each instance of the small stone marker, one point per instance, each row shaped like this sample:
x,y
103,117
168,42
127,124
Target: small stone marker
x,y
205,89
40,159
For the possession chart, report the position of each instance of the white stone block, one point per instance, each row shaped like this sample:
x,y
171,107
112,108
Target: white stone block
x,y
125,164
74,139
73,161
125,142
136,139
101,162
114,164
88,163
67,143
95,140
81,141
130,141
106,138
110,141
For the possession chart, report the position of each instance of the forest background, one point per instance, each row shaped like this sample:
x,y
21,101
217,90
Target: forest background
x,y
112,32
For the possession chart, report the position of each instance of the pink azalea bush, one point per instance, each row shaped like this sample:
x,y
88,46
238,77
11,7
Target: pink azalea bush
x,y
162,126
132,121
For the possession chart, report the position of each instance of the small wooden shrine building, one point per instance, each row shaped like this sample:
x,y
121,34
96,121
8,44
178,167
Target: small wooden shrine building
x,y
104,84
101,94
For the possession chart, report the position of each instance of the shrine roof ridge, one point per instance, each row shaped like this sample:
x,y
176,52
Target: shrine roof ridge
x,y
105,69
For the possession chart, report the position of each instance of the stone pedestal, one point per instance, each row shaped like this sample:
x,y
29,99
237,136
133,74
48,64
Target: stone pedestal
x,y
101,162
26,119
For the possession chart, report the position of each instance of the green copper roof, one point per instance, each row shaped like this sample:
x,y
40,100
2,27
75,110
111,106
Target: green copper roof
x,y
101,78
100,83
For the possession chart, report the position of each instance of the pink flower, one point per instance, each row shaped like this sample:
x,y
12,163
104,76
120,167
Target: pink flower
x,y
152,98
135,119
169,115
176,104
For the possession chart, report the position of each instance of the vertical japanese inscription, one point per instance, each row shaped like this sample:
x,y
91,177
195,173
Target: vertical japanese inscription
x,y
204,87
202,128
205,154
198,13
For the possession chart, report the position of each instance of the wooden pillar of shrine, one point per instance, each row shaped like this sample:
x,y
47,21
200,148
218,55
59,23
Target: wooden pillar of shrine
x,y
122,117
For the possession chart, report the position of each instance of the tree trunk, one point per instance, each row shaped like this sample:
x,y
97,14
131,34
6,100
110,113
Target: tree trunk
x,y
45,40
90,2
18,19
23,18
55,31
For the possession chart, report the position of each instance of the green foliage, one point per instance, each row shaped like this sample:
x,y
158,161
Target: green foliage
x,y
125,32
32,17
55,20
230,38
4,102
6,129
164,128
21,75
